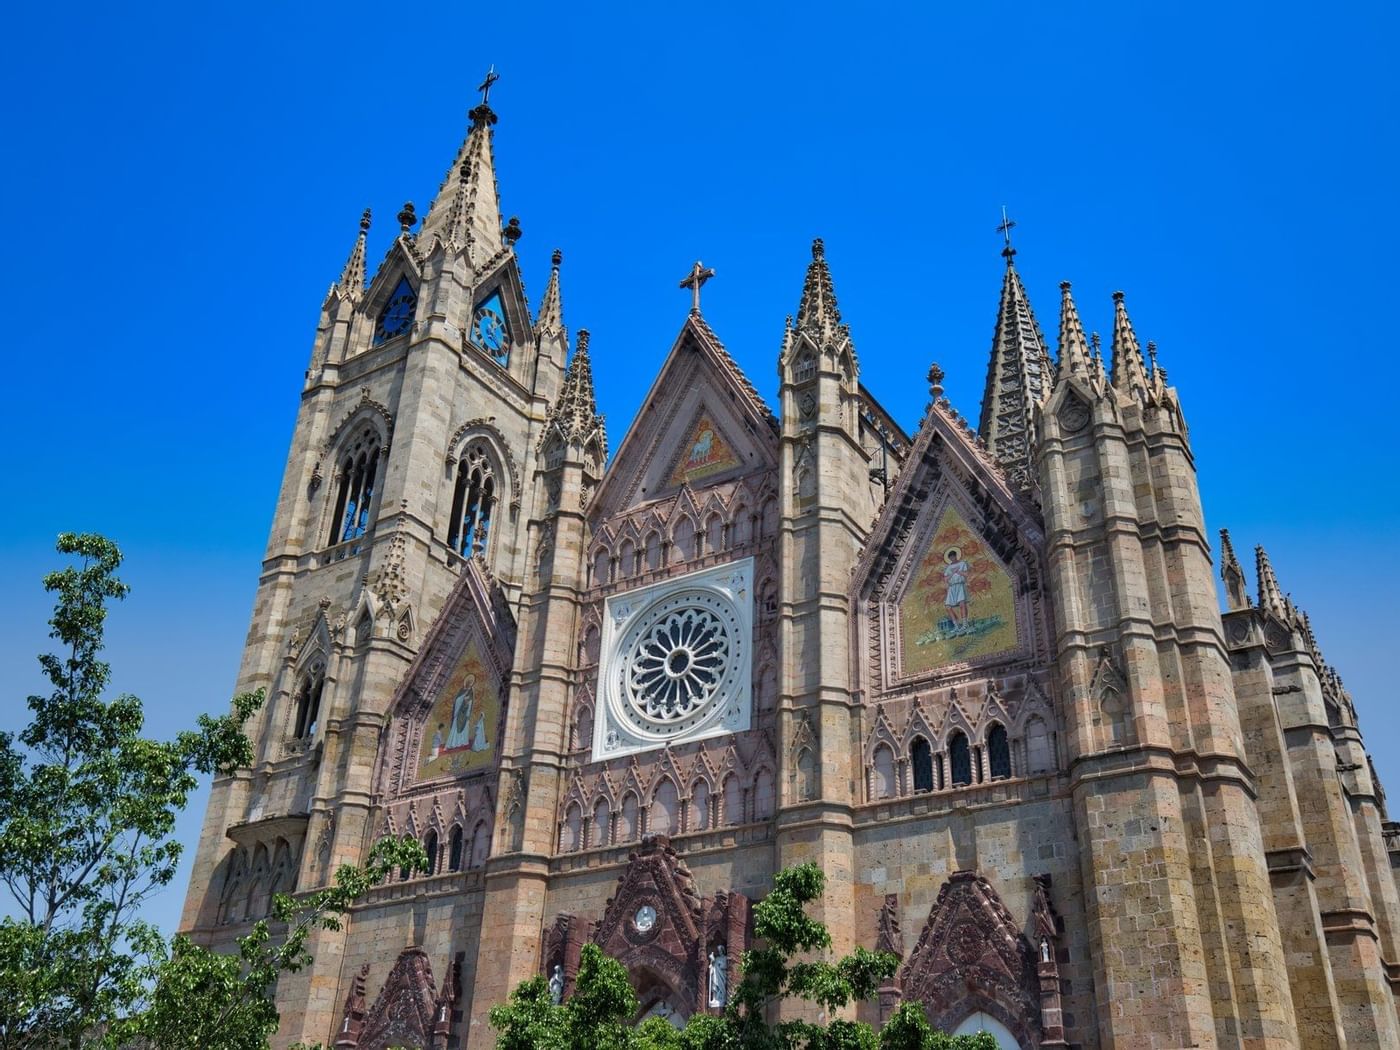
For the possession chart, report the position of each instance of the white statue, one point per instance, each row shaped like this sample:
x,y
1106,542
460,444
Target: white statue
x,y
719,977
1044,950
556,985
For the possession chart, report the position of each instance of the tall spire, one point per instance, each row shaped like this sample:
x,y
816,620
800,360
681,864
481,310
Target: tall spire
x,y
1018,377
1271,598
352,278
818,313
1233,574
551,315
1074,348
467,208
1129,368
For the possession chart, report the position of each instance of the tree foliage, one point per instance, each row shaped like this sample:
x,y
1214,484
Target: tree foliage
x,y
790,966
87,813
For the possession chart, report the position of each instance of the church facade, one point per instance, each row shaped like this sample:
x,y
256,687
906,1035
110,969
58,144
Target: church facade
x,y
979,674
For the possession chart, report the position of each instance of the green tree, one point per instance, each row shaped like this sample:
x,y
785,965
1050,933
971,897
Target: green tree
x,y
599,1015
87,811
235,990
87,808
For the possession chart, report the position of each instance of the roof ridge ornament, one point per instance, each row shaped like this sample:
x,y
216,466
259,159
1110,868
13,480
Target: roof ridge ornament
x,y
699,274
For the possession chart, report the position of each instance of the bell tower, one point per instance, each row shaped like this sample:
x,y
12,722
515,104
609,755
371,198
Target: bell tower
x,y
426,395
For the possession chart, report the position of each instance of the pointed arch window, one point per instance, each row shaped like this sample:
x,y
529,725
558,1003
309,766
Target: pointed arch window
x,y
355,492
430,846
998,752
454,849
397,316
308,702
960,758
921,759
805,369
490,330
473,502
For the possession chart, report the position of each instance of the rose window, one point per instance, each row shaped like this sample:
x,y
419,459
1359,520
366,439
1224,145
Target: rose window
x,y
678,664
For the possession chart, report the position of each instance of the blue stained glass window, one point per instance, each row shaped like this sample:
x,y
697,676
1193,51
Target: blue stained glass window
x,y
489,328
397,315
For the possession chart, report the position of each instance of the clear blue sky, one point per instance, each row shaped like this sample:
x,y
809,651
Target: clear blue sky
x,y
184,183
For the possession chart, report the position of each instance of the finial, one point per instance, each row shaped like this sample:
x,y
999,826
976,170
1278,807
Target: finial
x,y
698,275
1094,342
582,347
1064,287
364,222
935,381
512,232
483,114
1152,354
1117,297
1005,230
556,258
818,248
407,217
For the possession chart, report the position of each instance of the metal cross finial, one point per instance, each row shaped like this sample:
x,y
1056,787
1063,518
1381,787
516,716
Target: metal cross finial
x,y
1005,230
485,88
698,275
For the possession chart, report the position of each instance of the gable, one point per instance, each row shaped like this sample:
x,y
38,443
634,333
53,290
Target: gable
x,y
952,572
700,424
450,710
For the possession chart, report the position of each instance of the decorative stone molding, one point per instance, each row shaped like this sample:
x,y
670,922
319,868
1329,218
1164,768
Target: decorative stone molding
x,y
409,1010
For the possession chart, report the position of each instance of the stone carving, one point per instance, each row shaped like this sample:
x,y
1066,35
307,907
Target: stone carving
x,y
409,1011
556,984
972,956
686,948
354,1018
888,937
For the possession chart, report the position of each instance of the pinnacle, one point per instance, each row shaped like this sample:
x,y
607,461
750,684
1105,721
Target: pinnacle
x,y
1271,598
1232,573
551,315
1129,369
576,410
352,278
1074,349
818,313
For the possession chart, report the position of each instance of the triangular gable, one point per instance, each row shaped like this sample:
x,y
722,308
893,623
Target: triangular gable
x,y
972,956
449,712
701,422
953,565
409,1010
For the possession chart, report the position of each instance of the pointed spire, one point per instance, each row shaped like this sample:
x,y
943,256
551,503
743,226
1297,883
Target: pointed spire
x,y
1074,349
1099,372
1233,574
467,209
352,278
551,315
1129,368
1270,594
575,411
818,313
1018,378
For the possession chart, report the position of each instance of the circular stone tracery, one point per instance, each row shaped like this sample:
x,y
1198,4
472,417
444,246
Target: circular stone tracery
x,y
679,665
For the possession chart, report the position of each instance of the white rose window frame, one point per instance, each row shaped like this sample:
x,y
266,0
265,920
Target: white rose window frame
x,y
677,661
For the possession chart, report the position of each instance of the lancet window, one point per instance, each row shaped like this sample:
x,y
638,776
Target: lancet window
x,y
308,702
998,752
454,849
960,758
921,760
355,491
473,502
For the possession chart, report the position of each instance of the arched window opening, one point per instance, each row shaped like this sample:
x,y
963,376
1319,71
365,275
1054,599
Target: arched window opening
x,y
454,849
884,772
684,539
573,829
481,846
806,775
627,558
765,795
664,817
1039,754
602,823
960,758
714,534
627,824
733,801
699,806
998,752
600,567
473,501
805,369
430,846
653,551
355,491
921,759
308,701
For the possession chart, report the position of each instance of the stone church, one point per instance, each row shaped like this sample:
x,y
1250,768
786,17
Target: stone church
x,y
980,674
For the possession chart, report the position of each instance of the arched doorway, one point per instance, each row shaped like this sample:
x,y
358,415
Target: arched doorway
x,y
981,1022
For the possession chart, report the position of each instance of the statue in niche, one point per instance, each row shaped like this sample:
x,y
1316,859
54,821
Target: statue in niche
x,y
719,977
556,985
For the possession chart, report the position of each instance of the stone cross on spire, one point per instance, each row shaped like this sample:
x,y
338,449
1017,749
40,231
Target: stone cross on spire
x,y
698,275
485,87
